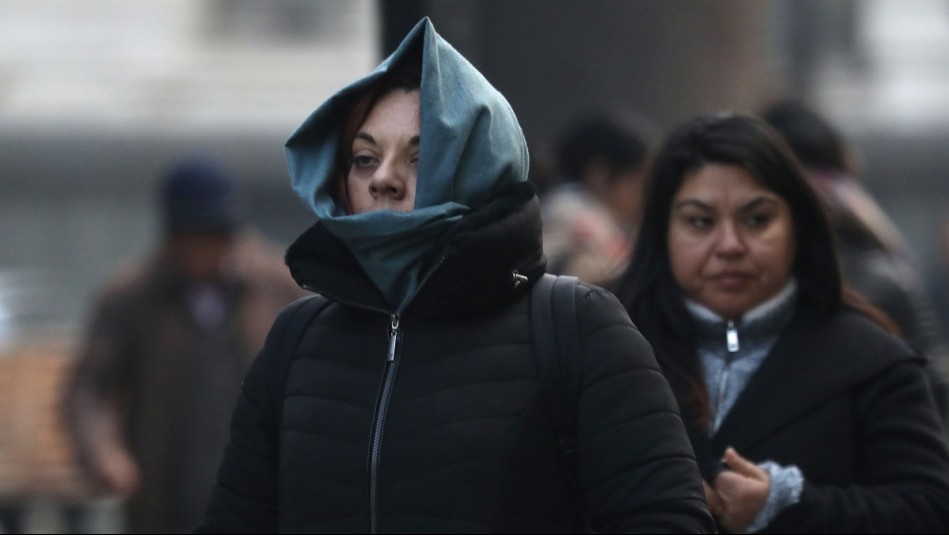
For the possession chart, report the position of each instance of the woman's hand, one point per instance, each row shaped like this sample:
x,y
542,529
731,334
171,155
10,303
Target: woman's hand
x,y
712,499
739,493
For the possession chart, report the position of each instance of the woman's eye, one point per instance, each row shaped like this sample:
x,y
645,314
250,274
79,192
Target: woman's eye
x,y
758,220
700,222
363,161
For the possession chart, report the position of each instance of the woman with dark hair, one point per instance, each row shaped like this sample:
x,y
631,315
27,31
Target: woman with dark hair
x,y
409,400
806,414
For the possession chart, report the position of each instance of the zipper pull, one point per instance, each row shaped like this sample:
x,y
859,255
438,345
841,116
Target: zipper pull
x,y
731,337
393,337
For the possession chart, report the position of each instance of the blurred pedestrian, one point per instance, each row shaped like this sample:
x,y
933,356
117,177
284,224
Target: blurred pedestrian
x,y
940,276
874,256
411,401
590,218
149,400
806,414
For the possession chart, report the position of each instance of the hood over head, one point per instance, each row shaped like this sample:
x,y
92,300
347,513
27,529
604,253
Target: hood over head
x,y
471,147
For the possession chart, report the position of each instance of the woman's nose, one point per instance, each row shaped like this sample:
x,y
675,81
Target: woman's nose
x,y
730,241
387,182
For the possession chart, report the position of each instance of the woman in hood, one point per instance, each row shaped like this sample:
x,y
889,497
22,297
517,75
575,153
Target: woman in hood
x,y
806,414
405,398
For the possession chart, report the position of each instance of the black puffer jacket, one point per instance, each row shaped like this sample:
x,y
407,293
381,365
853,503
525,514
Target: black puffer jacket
x,y
452,434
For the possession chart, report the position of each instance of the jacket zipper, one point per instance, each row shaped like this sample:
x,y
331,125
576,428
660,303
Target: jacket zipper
x,y
731,342
382,402
379,421
385,394
731,337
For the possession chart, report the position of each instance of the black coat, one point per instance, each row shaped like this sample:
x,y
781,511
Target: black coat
x,y
458,440
849,405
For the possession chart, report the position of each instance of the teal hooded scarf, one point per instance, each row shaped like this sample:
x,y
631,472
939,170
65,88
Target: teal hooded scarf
x,y
471,146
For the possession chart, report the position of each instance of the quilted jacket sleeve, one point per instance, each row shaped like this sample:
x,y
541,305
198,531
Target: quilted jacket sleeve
x,y
244,498
636,467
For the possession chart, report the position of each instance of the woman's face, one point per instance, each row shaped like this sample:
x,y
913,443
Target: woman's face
x,y
385,150
731,240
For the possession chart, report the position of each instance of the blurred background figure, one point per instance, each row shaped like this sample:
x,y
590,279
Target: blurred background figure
x,y
591,213
875,258
148,403
940,277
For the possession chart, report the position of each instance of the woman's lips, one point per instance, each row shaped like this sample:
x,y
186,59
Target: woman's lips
x,y
731,280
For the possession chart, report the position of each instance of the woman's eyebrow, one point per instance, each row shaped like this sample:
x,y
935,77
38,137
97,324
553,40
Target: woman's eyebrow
x,y
366,137
691,202
758,201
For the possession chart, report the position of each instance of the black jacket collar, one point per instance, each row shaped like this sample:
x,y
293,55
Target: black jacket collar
x,y
471,270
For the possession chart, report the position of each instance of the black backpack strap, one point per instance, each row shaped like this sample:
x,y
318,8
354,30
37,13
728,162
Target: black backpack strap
x,y
557,356
301,314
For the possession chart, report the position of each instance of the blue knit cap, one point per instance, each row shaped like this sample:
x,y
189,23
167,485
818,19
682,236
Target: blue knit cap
x,y
198,195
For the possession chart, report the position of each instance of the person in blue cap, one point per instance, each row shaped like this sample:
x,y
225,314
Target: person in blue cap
x,y
411,402
170,338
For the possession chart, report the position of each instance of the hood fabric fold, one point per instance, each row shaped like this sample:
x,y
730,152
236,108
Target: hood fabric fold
x,y
471,147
